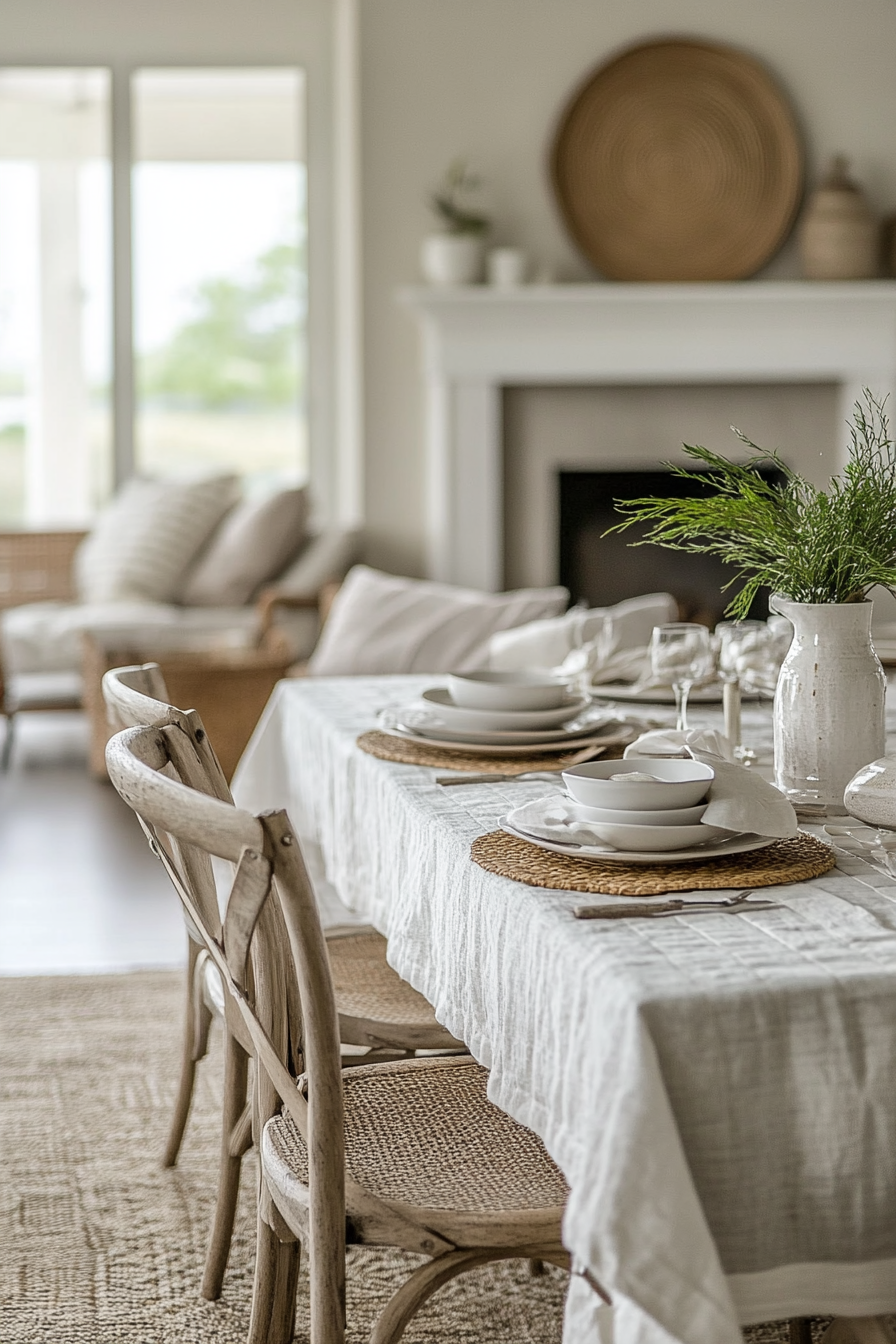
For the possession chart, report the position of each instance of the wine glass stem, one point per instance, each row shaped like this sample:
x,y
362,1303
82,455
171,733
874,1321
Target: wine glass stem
x,y
682,690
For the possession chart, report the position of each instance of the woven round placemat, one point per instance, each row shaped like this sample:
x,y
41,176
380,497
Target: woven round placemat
x,y
791,860
678,160
389,748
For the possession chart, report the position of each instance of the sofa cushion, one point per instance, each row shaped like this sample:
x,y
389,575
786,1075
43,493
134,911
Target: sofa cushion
x,y
380,623
250,547
46,636
326,559
142,544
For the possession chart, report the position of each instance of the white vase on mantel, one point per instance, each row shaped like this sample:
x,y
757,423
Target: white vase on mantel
x,y
829,701
448,259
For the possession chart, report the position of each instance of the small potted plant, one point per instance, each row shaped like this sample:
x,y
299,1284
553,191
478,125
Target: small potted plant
x,y
820,552
455,255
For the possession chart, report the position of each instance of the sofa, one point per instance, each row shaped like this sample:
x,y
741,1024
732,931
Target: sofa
x,y
181,565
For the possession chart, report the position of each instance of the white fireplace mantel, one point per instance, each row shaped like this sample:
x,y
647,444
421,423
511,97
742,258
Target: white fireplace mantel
x,y
478,340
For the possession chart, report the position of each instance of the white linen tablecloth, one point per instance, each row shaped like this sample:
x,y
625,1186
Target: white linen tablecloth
x,y
718,1090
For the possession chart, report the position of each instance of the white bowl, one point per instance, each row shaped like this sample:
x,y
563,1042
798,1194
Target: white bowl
x,y
649,839
501,720
677,783
670,816
506,690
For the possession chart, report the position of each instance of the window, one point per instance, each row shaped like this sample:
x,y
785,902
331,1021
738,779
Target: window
x,y
55,295
217,270
219,273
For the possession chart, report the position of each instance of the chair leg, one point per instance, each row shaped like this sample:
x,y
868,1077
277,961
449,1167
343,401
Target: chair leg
x,y
236,1075
267,1259
283,1313
197,1020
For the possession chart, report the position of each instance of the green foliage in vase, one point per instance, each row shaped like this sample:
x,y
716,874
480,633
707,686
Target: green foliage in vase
x,y
452,201
808,544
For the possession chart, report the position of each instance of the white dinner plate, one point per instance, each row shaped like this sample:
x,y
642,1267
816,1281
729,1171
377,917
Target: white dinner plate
x,y
494,720
655,695
547,736
529,749
713,849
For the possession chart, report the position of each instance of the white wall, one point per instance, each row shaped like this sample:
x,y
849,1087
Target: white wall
x,y
487,79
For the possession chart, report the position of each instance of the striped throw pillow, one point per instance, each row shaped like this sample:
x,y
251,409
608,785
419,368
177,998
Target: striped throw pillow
x,y
143,543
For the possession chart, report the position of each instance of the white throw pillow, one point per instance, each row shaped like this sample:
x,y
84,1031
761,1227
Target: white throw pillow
x,y
380,623
253,544
327,558
546,644
142,544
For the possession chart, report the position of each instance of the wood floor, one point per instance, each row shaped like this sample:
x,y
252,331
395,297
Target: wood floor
x,y
79,889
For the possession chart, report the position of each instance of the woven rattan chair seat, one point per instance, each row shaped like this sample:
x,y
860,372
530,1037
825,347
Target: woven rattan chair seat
x,y
366,985
423,1132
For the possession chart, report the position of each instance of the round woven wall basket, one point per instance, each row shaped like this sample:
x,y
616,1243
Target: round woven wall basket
x,y
678,160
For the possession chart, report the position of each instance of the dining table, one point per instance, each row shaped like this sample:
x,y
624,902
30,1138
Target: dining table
x,y
718,1089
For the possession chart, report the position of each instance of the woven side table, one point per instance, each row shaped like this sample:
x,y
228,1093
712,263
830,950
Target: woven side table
x,y
228,687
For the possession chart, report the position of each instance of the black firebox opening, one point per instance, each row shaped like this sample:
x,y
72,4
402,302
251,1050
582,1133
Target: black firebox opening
x,y
600,570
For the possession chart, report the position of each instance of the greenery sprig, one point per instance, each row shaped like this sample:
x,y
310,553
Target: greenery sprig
x,y
808,544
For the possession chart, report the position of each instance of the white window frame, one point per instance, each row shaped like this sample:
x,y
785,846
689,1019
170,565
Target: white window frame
x,y
320,37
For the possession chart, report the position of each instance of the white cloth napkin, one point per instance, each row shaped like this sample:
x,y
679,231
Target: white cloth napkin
x,y
739,799
671,742
598,633
556,818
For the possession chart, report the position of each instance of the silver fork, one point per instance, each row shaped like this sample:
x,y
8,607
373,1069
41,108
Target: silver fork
x,y
677,906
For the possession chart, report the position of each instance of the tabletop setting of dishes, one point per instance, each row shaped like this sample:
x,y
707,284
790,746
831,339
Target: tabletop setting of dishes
x,y
625,793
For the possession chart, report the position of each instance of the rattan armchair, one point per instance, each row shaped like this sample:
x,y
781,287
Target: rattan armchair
x,y
34,567
378,1011
409,1154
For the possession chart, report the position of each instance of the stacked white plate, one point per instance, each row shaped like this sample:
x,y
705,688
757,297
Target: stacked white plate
x,y
509,713
638,811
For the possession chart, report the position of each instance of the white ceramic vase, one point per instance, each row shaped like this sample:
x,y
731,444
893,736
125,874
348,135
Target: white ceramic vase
x,y
871,794
829,702
452,259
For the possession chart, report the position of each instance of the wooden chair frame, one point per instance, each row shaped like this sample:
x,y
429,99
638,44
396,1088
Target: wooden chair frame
x,y
187,826
137,696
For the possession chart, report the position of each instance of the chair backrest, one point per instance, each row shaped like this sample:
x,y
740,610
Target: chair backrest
x,y
137,697
151,767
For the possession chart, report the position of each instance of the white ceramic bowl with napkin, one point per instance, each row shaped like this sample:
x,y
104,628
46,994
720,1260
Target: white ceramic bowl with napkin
x,y
671,783
507,690
739,799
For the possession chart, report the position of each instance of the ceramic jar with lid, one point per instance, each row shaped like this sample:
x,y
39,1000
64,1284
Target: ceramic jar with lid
x,y
839,237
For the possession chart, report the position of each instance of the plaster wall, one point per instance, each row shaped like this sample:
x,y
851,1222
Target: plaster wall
x,y
487,79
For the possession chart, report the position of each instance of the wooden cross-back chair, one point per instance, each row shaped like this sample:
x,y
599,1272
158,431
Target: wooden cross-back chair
x,y
378,1011
407,1154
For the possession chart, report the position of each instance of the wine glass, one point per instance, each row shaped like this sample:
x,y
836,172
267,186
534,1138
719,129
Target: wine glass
x,y
681,653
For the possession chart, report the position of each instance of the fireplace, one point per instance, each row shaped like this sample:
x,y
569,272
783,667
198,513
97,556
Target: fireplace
x,y
479,341
600,570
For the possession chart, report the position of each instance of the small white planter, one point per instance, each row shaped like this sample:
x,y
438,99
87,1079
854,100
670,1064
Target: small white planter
x,y
829,702
452,259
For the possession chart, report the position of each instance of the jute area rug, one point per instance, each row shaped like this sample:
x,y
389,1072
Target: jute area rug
x,y
99,1245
